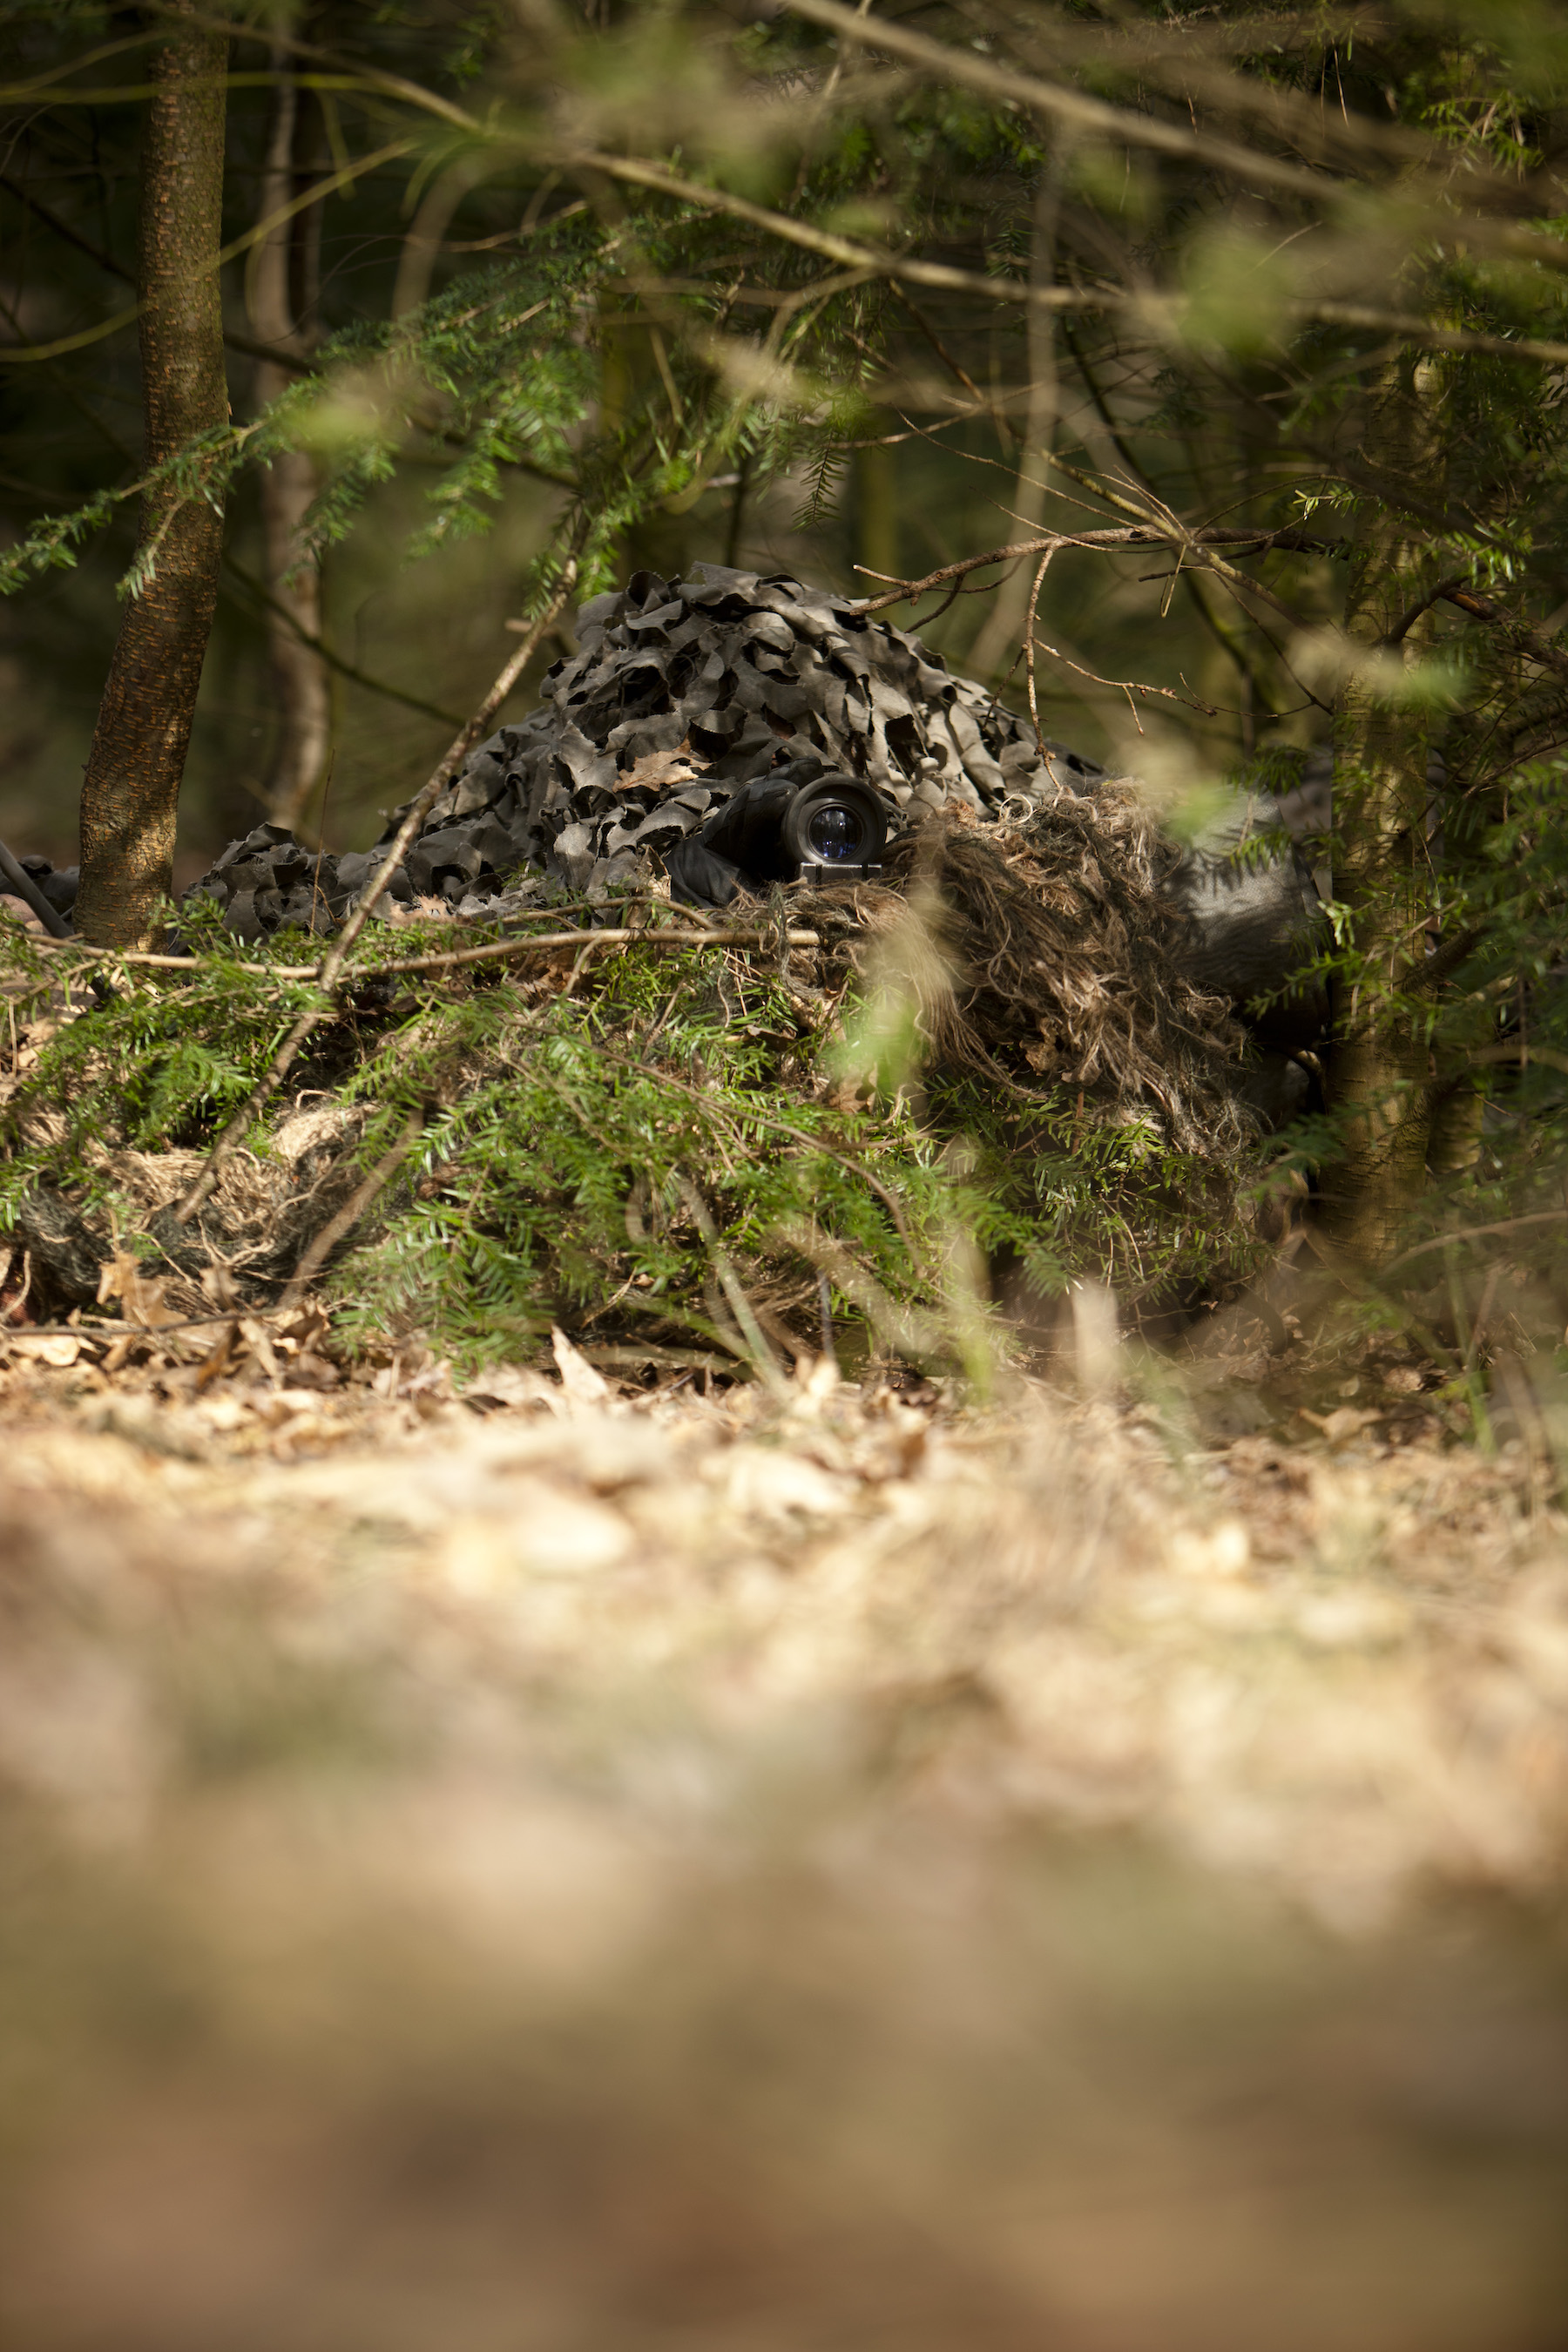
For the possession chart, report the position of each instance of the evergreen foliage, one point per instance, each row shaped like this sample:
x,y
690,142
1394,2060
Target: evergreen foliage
x,y
690,268
605,1155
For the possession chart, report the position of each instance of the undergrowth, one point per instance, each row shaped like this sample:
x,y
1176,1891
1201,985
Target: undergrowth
x,y
663,1152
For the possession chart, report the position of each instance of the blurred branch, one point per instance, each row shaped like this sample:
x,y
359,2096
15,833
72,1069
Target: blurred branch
x,y
1475,1233
272,354
1231,645
1147,534
334,661
1010,87
1006,84
1178,52
12,355
848,251
62,228
106,261
1482,608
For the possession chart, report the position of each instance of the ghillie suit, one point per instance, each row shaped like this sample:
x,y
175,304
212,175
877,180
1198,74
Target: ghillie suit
x,y
264,1214
682,693
679,692
1060,962
1029,925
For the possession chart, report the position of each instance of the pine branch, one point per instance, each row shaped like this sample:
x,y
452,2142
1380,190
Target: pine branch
x,y
331,964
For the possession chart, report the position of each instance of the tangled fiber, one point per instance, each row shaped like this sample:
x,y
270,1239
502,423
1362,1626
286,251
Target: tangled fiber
x,y
1059,961
267,1210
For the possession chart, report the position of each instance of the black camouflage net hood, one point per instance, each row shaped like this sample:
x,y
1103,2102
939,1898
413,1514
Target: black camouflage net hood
x,y
680,692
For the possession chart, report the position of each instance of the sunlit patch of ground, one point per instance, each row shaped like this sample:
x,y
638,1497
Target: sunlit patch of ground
x,y
564,1868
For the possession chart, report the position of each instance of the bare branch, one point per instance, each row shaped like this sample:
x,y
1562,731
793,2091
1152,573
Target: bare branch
x,y
1127,686
524,943
1008,85
332,962
1482,608
1148,534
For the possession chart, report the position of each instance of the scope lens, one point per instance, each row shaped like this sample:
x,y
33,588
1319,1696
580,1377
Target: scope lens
x,y
834,831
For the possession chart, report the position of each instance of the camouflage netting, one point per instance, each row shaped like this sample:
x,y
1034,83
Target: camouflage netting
x,y
679,692
683,693
1031,917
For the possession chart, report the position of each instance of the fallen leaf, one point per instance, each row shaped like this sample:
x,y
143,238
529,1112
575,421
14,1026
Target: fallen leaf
x,y
142,1296
658,770
1345,1422
218,1356
582,1383
45,1346
511,1384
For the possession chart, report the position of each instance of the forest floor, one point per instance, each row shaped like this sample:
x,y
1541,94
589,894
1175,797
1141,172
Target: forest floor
x,y
559,1865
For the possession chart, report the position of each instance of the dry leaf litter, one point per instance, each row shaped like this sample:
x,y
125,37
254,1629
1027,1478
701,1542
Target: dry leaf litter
x,y
568,1863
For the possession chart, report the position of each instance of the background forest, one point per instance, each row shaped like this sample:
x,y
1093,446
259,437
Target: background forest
x,y
1247,328
842,1619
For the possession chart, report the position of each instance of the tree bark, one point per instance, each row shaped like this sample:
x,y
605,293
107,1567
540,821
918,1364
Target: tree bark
x,y
132,789
288,487
995,649
1380,1064
876,533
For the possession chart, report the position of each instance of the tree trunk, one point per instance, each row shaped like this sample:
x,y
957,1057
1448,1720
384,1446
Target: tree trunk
x,y
132,789
289,487
995,650
1380,1065
661,540
876,534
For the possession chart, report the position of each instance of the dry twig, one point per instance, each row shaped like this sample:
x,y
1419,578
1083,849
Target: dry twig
x,y
332,962
698,936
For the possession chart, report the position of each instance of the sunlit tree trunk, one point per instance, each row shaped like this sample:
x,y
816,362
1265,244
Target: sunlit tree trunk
x,y
132,789
1379,1067
995,649
876,533
289,485
661,540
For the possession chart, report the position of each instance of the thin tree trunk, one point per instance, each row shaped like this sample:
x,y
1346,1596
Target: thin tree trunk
x,y
1380,1065
132,789
997,647
877,531
301,685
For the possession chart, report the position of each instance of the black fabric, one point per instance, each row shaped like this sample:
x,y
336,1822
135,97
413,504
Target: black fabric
x,y
700,877
681,695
